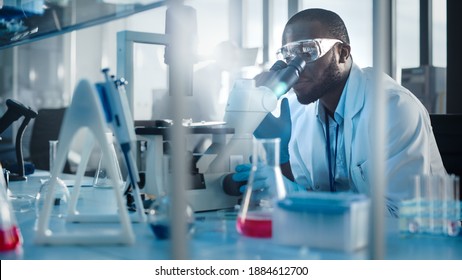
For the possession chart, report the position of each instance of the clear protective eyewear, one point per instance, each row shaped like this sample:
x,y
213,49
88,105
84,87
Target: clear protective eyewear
x,y
310,50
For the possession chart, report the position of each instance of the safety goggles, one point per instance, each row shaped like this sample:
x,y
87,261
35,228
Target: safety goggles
x,y
310,50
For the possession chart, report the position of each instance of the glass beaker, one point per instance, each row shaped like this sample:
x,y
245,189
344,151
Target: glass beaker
x,y
20,202
61,194
434,208
102,179
264,187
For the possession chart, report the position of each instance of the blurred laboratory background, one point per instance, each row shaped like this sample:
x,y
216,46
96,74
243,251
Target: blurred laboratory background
x,y
47,46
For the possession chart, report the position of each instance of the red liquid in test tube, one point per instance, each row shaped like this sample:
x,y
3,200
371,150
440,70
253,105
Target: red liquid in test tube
x,y
10,239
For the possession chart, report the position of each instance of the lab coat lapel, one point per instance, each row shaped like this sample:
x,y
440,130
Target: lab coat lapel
x,y
354,102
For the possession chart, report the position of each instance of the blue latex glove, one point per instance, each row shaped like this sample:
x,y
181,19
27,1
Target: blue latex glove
x,y
273,127
260,178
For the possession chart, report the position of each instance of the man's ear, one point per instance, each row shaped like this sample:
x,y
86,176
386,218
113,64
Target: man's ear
x,y
344,53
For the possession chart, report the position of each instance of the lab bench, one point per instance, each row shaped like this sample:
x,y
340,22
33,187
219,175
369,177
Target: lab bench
x,y
214,237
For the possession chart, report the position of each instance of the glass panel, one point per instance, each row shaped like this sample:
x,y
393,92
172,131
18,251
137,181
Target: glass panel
x,y
407,34
358,20
439,33
213,27
427,82
210,84
150,83
279,18
253,30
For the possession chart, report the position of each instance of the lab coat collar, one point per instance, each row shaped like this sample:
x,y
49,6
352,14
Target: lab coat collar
x,y
352,98
354,92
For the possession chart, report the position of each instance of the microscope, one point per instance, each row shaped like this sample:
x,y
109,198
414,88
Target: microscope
x,y
15,111
250,100
248,104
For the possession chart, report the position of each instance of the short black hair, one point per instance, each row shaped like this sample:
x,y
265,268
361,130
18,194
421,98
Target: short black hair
x,y
334,23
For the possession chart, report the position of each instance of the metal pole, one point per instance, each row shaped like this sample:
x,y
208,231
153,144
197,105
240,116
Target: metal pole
x,y
426,32
180,70
391,70
380,35
266,30
293,6
454,59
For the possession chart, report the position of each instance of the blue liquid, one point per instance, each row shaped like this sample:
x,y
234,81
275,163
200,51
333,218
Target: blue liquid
x,y
162,230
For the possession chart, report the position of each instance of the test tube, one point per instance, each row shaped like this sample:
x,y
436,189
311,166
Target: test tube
x,y
52,150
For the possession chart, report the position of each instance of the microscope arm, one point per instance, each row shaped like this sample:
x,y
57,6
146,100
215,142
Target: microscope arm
x,y
14,112
19,154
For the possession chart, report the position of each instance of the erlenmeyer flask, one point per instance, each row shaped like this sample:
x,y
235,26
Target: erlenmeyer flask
x,y
159,217
264,187
61,194
10,235
102,179
159,213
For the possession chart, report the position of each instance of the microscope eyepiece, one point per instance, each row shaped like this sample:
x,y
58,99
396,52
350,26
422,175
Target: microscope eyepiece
x,y
281,76
20,109
298,63
278,65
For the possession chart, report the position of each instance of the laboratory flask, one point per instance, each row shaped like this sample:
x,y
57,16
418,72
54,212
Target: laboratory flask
x,y
264,187
159,213
10,234
60,192
102,178
60,198
159,216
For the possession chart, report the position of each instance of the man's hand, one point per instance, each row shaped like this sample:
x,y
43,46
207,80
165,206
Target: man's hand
x,y
261,177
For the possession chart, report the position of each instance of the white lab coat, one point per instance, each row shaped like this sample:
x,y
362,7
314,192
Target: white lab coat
x,y
410,145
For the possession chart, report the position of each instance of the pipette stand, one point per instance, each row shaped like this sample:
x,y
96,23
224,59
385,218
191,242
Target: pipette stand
x,y
85,112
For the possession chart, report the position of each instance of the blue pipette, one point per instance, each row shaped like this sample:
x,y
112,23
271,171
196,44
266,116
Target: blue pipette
x,y
117,111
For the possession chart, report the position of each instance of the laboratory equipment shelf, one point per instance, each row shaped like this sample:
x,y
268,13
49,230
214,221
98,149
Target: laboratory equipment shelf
x,y
27,22
215,238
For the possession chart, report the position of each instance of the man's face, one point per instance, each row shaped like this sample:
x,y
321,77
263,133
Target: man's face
x,y
321,76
